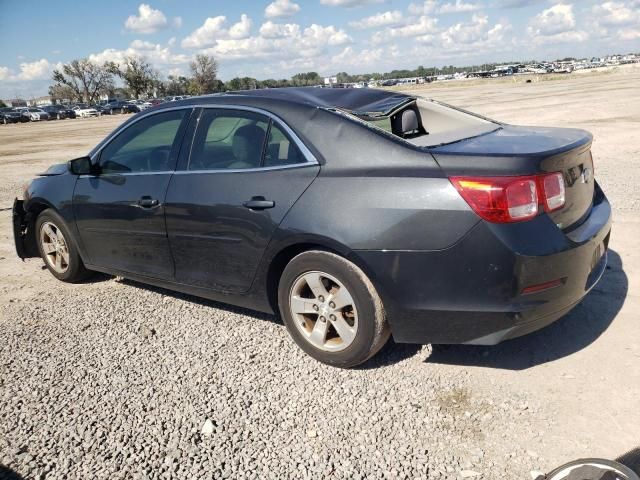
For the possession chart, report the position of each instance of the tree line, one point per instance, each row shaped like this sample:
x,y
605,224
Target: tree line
x,y
86,81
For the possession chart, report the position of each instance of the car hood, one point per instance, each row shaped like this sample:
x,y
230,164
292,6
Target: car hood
x,y
56,169
518,141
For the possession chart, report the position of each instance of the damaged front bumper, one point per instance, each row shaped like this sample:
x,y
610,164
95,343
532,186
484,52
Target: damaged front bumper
x,y
22,235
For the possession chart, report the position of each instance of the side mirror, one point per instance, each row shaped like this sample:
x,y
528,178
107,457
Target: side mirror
x,y
81,166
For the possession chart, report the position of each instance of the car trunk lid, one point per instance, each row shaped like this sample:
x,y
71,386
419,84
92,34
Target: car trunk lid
x,y
514,151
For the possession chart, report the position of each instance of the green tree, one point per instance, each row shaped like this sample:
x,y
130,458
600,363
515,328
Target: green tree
x,y
137,74
204,71
86,79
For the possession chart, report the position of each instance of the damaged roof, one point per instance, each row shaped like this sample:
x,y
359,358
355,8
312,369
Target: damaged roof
x,y
368,102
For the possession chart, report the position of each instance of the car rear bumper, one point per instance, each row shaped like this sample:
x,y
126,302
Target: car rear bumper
x,y
472,292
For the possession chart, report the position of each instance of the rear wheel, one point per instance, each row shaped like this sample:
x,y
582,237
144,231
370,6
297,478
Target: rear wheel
x,y
58,249
331,309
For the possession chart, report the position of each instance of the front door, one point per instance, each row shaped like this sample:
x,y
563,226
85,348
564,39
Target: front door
x,y
120,211
244,173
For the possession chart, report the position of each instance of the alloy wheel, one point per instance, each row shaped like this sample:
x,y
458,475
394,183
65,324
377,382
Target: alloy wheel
x,y
54,247
323,311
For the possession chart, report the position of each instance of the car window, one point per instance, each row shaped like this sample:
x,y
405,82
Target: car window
x,y
280,149
228,139
145,146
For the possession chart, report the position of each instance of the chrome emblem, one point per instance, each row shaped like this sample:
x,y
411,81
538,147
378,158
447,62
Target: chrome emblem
x,y
586,175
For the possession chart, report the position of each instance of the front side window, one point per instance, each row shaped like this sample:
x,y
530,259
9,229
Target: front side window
x,y
145,146
227,139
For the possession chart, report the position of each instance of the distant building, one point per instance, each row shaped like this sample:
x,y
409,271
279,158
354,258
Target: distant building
x,y
117,95
330,81
39,101
16,102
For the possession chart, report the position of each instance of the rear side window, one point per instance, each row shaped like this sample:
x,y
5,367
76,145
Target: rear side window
x,y
227,139
281,150
145,146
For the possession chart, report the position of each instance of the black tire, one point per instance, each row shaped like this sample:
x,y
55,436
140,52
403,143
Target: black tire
x,y
76,271
372,331
595,468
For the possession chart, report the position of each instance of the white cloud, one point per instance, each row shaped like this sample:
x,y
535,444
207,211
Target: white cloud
x,y
554,20
629,34
278,30
37,70
207,34
423,29
177,22
288,42
458,6
428,7
29,71
155,53
349,58
214,30
148,20
5,73
349,3
281,8
556,25
616,20
378,20
242,29
425,8
616,14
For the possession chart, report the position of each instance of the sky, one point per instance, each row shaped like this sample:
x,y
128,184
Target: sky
x,y
276,39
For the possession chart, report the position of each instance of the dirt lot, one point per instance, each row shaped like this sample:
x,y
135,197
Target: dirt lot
x,y
114,380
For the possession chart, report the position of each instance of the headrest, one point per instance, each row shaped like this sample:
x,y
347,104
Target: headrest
x,y
409,121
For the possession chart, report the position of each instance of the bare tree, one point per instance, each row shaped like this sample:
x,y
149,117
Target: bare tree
x,y
138,75
85,78
204,70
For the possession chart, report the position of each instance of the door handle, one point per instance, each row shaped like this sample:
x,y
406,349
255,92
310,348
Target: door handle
x,y
259,203
148,202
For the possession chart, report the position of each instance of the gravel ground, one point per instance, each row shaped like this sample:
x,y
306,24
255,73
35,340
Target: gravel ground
x,y
113,379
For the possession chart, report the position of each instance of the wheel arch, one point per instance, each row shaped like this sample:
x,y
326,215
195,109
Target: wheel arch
x,y
284,253
33,209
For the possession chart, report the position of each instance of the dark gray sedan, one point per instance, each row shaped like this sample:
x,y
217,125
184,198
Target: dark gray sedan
x,y
354,213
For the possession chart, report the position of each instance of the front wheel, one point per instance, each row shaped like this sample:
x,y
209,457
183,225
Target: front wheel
x,y
331,309
58,249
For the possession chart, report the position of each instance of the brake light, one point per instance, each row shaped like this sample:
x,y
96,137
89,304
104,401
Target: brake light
x,y
553,187
511,199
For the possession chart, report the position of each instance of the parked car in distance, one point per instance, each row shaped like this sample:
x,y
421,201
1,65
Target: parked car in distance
x,y
119,107
10,115
83,111
34,114
156,101
59,112
354,213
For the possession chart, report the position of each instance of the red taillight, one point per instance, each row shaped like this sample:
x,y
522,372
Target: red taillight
x,y
511,199
553,187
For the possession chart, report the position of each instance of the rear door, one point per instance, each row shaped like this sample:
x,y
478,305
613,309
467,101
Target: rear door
x,y
120,212
245,171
